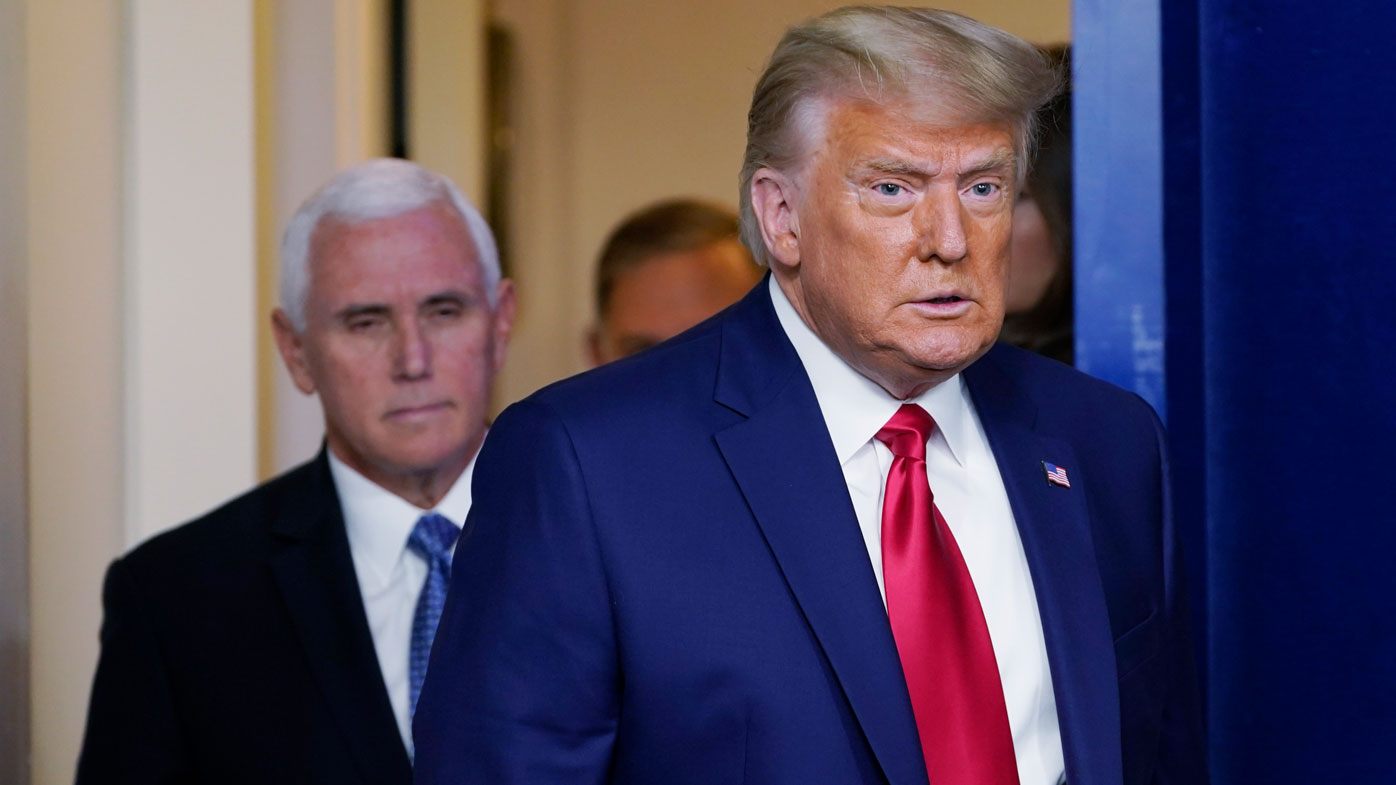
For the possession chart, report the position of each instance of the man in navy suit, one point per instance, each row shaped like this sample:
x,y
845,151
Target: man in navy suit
x,y
282,637
834,534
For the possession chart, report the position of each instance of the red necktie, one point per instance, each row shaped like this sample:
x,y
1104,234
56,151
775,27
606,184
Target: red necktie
x,y
939,627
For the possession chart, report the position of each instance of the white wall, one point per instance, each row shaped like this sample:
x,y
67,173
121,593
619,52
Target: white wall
x,y
620,102
190,264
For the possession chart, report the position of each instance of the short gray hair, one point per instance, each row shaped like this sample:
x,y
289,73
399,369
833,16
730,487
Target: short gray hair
x,y
377,188
869,51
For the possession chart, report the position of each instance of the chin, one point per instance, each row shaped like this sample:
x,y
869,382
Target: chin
x,y
950,354
425,458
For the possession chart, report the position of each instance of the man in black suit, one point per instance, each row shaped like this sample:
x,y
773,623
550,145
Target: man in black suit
x,y
282,637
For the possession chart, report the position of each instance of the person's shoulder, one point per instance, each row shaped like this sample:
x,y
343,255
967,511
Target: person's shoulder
x,y
1113,432
1057,388
606,412
682,367
228,536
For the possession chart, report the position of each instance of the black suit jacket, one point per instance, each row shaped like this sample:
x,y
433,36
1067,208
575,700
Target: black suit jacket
x,y
235,649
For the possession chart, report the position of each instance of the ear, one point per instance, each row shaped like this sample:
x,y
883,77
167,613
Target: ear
x,y
773,202
593,347
292,349
505,305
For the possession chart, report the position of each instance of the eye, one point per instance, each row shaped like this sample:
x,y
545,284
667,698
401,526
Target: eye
x,y
445,310
888,189
984,189
363,322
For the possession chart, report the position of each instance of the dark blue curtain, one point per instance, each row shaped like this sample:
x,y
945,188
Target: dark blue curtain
x,y
1273,255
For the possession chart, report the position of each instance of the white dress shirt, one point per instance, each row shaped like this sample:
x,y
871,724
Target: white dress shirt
x,y
969,492
391,577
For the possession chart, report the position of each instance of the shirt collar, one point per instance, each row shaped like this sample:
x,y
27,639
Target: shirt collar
x,y
378,522
854,407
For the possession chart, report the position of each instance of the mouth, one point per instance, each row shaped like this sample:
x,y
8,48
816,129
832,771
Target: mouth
x,y
419,411
943,306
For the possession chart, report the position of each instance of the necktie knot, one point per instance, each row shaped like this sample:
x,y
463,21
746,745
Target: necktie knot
x,y
433,538
906,433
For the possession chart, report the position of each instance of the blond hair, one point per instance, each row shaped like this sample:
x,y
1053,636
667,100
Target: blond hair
x,y
879,52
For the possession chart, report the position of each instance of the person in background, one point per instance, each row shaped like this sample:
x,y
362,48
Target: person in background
x,y
663,269
282,638
839,533
1039,306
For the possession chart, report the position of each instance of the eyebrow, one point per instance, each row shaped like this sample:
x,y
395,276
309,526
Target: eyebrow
x,y
998,159
383,309
362,309
452,297
895,166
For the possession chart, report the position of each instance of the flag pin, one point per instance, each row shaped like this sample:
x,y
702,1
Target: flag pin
x,y
1056,475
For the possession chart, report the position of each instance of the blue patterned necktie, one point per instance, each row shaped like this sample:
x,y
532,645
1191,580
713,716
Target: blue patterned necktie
x,y
432,538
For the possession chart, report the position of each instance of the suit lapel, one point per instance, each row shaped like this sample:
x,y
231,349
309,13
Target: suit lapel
x,y
1054,524
315,574
784,462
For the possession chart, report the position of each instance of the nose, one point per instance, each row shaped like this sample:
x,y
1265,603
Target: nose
x,y
940,227
412,352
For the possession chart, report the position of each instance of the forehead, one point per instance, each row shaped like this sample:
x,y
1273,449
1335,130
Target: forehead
x,y
423,249
672,276
925,130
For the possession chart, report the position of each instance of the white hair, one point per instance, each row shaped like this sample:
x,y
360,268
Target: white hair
x,y
373,189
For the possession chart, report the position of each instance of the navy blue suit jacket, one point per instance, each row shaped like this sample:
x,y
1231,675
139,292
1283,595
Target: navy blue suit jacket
x,y
664,581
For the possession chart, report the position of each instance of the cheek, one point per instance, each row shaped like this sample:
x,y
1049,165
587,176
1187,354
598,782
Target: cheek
x,y
344,366
467,357
350,411
995,247
997,230
865,276
349,378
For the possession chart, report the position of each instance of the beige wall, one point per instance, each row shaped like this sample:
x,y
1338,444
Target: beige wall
x,y
76,297
620,102
140,293
446,95
14,517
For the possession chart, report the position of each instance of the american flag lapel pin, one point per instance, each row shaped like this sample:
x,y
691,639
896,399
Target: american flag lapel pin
x,y
1056,475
